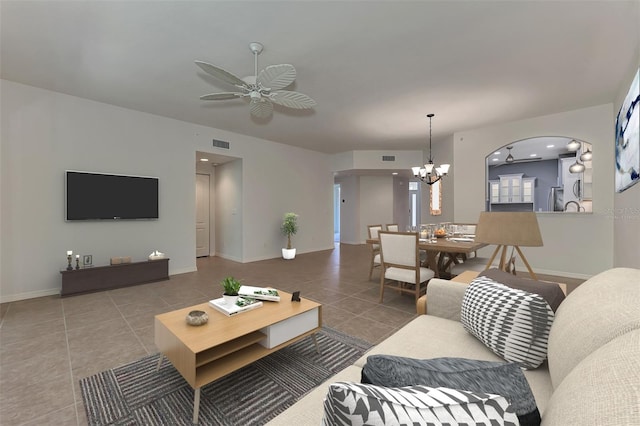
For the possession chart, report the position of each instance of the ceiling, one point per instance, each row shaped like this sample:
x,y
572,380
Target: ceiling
x,y
375,68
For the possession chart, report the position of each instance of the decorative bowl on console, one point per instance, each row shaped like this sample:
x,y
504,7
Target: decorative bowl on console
x,y
197,318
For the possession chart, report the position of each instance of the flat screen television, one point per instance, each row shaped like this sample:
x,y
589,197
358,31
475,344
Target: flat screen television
x,y
100,196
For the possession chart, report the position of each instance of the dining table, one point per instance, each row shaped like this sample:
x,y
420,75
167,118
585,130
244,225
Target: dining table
x,y
442,251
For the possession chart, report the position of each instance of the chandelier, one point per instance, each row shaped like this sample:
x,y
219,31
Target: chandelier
x,y
428,173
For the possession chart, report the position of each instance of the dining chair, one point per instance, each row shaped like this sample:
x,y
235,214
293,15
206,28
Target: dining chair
x,y
392,227
400,260
373,230
475,263
466,230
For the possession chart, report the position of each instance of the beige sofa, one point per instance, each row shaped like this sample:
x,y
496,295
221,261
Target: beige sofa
x,y
592,376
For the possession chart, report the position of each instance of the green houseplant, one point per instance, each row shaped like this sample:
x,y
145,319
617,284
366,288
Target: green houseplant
x,y
289,227
231,288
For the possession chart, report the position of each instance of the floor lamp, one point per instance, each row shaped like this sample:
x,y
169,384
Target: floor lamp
x,y
515,229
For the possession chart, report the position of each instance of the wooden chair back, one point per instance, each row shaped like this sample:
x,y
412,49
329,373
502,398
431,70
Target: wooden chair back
x,y
373,230
399,249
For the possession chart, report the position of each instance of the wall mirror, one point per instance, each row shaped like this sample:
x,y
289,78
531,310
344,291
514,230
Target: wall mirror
x,y
541,174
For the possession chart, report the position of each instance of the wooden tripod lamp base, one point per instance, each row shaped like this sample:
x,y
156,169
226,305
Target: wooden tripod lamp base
x,y
509,229
504,262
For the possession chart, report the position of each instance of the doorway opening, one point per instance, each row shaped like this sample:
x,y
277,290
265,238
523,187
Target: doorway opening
x,y
336,213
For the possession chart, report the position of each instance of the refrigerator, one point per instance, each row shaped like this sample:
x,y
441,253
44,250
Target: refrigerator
x,y
555,202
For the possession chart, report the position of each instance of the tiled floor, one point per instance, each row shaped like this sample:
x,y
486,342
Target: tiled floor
x,y
48,344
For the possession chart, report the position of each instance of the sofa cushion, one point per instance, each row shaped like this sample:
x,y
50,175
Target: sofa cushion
x,y
603,389
551,292
599,310
356,404
500,378
512,323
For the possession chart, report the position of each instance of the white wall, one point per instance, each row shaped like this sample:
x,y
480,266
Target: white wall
x,y
45,133
626,212
376,202
574,245
401,205
229,210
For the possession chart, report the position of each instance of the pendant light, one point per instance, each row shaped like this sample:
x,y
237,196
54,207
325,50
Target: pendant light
x,y
587,155
428,173
576,167
574,145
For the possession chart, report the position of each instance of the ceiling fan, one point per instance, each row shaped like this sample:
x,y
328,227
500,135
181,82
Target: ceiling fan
x,y
263,89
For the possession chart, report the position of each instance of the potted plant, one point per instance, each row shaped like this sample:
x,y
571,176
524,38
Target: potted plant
x,y
231,288
289,228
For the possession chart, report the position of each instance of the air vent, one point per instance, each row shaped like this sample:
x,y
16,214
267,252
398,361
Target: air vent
x,y
388,158
220,144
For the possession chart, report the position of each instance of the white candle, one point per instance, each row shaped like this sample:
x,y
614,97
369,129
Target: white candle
x,y
69,252
77,256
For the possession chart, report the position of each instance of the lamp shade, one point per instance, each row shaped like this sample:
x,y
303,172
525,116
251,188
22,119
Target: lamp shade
x,y
509,229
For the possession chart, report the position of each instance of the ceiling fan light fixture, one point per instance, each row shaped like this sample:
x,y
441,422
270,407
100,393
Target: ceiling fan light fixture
x,y
263,88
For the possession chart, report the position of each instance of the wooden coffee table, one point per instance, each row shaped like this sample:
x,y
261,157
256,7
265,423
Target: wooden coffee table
x,y
208,352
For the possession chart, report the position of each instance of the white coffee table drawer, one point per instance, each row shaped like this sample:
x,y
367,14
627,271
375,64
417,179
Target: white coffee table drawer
x,y
283,331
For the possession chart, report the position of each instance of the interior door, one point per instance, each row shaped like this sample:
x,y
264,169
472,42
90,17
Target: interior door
x,y
202,215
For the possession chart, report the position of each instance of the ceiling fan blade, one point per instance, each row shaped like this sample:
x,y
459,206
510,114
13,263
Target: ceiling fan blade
x,y
221,74
291,99
220,96
261,108
276,77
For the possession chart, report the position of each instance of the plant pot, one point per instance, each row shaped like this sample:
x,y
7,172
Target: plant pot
x,y
288,253
230,300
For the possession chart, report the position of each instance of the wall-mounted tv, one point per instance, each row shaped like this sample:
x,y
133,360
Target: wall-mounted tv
x,y
100,196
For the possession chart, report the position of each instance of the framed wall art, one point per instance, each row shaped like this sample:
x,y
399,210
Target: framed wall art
x,y
628,138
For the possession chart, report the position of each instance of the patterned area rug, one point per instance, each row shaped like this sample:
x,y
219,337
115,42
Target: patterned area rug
x,y
137,394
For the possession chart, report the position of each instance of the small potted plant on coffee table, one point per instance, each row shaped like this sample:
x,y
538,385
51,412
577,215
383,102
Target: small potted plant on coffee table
x,y
289,228
231,288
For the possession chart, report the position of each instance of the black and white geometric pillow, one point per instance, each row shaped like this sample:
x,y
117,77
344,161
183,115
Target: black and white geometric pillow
x,y
357,404
514,324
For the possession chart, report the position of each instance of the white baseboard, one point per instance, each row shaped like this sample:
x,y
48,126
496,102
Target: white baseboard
x,y
30,295
56,291
182,270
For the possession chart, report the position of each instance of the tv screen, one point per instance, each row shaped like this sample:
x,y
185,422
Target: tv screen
x,y
98,196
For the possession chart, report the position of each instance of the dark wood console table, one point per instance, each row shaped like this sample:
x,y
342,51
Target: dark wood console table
x,y
97,278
